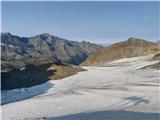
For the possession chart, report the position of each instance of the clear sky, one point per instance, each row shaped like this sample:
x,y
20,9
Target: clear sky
x,y
98,22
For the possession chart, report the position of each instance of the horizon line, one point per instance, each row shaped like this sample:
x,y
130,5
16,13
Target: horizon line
x,y
93,42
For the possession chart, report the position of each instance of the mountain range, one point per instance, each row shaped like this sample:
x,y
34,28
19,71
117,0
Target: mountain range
x,y
29,61
18,52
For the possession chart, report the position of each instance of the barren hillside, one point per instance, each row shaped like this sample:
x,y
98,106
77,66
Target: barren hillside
x,y
133,47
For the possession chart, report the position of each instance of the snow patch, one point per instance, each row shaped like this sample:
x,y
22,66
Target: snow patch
x,y
98,90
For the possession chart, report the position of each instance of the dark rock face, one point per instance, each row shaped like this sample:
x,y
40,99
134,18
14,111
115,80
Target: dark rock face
x,y
30,76
18,52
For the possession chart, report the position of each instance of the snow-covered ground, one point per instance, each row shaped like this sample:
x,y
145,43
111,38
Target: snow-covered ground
x,y
117,91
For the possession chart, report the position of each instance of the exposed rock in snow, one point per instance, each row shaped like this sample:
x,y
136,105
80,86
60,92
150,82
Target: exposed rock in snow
x,y
23,68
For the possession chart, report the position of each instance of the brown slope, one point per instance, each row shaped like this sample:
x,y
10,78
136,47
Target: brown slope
x,y
133,47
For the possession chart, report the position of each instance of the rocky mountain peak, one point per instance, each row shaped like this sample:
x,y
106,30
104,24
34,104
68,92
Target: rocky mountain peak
x,y
6,34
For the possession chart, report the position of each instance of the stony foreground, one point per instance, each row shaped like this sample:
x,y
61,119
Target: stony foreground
x,y
119,90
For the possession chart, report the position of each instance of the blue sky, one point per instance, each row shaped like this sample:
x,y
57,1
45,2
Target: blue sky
x,y
98,22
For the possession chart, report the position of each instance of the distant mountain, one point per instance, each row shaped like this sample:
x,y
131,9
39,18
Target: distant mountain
x,y
130,48
18,51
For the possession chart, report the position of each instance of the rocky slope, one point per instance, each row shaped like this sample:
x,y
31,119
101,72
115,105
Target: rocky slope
x,y
18,51
156,56
156,65
35,75
132,47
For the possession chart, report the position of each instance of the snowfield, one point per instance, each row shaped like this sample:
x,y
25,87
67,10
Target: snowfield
x,y
117,91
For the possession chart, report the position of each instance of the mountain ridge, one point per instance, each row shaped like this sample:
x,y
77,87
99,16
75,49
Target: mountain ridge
x,y
132,47
43,48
